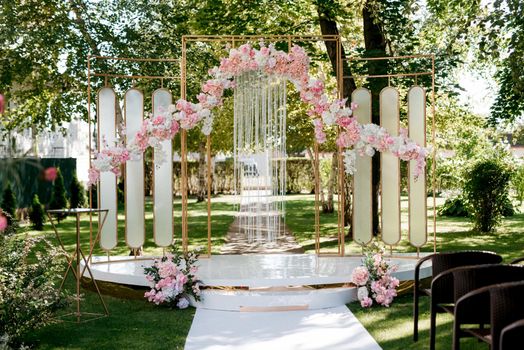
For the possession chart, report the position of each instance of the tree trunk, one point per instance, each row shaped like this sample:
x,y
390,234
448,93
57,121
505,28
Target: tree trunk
x,y
329,207
375,44
201,194
312,159
328,26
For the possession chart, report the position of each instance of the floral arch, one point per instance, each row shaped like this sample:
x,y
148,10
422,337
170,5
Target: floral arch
x,y
354,138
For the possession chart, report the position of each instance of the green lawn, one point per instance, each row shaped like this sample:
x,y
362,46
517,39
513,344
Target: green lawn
x,y
136,324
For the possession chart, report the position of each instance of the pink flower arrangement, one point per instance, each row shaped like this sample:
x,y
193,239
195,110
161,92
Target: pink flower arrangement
x,y
50,174
173,280
374,280
294,66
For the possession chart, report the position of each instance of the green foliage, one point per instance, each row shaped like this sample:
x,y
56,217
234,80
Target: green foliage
x,y
29,271
36,214
463,139
455,207
486,191
77,194
299,177
503,45
9,201
12,226
58,197
517,180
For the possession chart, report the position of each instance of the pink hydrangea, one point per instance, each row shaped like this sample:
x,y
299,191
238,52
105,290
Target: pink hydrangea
x,y
167,269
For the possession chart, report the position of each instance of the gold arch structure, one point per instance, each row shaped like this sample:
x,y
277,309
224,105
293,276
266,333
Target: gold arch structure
x,y
235,40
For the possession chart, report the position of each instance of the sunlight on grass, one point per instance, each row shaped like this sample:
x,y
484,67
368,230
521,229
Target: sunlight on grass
x,y
133,323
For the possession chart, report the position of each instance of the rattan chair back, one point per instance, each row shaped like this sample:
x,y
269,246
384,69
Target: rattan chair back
x,y
507,306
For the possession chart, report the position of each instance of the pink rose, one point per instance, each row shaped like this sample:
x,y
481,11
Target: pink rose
x,y
360,275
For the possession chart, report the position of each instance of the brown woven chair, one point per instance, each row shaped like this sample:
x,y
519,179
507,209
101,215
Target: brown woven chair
x,y
512,336
472,290
517,261
444,286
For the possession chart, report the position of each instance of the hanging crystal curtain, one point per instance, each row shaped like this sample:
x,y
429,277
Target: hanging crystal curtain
x,y
260,155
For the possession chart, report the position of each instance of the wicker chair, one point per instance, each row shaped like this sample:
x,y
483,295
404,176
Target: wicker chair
x,y
517,261
444,286
512,336
472,306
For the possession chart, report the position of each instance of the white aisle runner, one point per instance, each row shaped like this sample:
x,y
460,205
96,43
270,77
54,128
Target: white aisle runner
x,y
334,329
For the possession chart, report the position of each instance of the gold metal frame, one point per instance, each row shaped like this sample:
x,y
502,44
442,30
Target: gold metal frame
x,y
91,73
75,257
433,135
233,40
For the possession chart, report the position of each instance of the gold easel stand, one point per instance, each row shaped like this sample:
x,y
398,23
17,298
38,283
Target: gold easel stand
x,y
76,256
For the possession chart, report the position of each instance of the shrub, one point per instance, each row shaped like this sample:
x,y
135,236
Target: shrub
x,y
29,271
58,196
36,214
12,226
486,190
518,183
77,198
454,207
9,201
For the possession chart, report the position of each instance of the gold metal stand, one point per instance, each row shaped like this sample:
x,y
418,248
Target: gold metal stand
x,y
76,256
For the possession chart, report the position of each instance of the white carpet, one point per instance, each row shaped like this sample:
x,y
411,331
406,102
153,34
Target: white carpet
x,y
333,329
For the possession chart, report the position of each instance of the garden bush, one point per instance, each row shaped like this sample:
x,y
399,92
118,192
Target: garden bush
x,y
9,201
517,181
455,207
30,269
486,190
77,198
36,214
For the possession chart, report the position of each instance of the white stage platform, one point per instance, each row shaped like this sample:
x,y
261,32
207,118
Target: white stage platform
x,y
255,282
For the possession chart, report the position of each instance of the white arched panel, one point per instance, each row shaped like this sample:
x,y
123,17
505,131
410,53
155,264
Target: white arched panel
x,y
107,198
390,169
417,189
134,179
362,185
163,179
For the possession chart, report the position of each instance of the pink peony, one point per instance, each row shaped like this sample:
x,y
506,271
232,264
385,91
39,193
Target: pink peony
x,y
167,269
360,275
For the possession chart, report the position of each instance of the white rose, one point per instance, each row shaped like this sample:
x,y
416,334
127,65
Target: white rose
x,y
171,109
362,293
328,118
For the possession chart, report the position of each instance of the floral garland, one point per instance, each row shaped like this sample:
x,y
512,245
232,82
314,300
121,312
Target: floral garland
x,y
355,138
373,279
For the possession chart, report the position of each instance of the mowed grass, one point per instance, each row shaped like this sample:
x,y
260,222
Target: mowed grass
x,y
136,324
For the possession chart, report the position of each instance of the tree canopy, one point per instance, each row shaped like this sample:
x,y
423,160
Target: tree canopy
x,y
44,44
